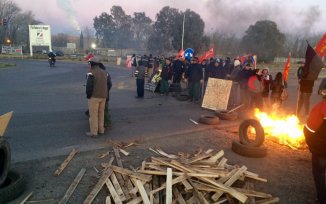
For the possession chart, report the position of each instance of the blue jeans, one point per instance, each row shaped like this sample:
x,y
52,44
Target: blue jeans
x,y
318,171
140,87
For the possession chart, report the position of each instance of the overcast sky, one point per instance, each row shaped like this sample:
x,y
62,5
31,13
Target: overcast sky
x,y
302,17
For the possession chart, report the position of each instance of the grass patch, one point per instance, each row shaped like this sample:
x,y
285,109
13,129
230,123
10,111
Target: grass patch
x,y
5,65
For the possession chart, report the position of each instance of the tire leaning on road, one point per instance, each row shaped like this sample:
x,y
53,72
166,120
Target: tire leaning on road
x,y
243,133
13,187
5,156
248,151
224,115
209,119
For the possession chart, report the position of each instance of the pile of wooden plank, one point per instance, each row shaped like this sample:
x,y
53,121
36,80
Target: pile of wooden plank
x,y
203,177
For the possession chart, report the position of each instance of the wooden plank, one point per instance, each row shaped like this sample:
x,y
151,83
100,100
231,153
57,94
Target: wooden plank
x,y
229,182
253,193
179,197
113,192
200,157
4,121
198,194
228,176
135,200
127,172
268,201
216,157
117,187
108,200
174,181
249,186
106,174
187,185
124,152
239,196
168,188
65,162
72,186
155,184
222,162
163,173
142,191
191,200
117,157
26,198
143,164
170,156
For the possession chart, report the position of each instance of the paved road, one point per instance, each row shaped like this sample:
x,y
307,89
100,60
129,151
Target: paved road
x,y
49,105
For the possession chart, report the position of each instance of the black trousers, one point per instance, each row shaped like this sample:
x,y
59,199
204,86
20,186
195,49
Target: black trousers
x,y
140,87
318,171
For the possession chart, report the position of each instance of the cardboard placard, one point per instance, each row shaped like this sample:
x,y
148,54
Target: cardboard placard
x,y
217,94
4,121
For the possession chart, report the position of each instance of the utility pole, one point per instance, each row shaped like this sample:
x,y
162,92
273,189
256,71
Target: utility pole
x,y
183,29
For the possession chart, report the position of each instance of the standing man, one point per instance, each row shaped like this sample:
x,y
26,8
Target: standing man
x,y
96,92
166,75
178,70
140,74
244,76
305,90
150,65
194,75
315,133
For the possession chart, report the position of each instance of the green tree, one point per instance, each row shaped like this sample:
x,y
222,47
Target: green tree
x,y
105,29
264,39
141,28
60,40
8,10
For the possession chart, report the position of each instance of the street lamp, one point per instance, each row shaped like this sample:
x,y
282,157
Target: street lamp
x,y
8,41
93,45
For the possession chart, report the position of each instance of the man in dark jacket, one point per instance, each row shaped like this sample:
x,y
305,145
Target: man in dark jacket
x,y
178,70
166,75
315,133
194,75
305,90
140,75
244,76
96,92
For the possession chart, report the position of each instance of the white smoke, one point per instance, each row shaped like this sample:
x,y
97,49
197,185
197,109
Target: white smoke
x,y
67,7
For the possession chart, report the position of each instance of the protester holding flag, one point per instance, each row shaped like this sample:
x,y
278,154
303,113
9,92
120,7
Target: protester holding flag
x,y
266,82
278,85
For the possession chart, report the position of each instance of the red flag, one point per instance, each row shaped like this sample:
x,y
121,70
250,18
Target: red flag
x,y
88,57
312,65
210,53
287,68
321,46
180,54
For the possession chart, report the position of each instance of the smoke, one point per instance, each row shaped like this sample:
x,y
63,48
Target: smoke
x,y
235,16
67,7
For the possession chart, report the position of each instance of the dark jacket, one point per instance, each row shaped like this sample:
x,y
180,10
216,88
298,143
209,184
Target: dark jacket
x,y
97,83
140,72
244,76
178,68
194,73
166,73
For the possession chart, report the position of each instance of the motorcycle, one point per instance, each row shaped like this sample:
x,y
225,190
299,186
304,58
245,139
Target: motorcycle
x,y
51,61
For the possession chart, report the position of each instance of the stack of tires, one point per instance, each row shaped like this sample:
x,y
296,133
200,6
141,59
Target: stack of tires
x,y
250,147
11,183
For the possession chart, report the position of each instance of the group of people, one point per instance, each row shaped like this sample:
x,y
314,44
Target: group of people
x,y
254,88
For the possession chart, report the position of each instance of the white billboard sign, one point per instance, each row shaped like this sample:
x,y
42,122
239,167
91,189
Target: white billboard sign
x,y
39,35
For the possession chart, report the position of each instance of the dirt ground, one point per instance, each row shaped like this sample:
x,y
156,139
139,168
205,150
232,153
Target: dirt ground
x,y
288,171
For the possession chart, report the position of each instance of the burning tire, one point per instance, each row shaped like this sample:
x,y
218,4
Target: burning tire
x,y
243,133
13,186
209,120
5,156
225,115
249,151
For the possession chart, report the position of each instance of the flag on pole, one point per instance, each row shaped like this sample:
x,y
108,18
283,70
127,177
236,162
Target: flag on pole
x,y
88,57
210,53
180,54
287,68
321,46
313,64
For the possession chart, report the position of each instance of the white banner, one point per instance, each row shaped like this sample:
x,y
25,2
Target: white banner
x,y
11,50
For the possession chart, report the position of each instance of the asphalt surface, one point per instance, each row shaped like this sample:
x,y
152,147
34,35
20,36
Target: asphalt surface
x,y
49,105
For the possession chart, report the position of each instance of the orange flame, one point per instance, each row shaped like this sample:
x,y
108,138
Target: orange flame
x,y
286,130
